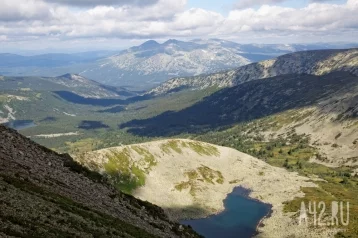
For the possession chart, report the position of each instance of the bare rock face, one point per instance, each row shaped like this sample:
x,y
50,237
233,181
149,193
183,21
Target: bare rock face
x,y
45,194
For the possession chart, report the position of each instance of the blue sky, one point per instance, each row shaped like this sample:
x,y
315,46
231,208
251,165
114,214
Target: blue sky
x,y
224,6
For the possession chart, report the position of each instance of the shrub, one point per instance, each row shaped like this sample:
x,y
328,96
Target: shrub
x,y
338,135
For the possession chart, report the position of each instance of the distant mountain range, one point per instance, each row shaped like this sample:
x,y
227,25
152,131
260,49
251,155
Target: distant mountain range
x,y
151,63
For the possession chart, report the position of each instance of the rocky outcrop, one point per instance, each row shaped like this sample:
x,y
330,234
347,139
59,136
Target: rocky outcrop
x,y
44,194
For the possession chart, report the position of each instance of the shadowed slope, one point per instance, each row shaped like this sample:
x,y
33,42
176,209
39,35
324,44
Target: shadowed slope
x,y
248,101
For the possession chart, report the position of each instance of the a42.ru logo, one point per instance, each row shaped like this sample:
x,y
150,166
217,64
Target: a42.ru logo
x,y
318,214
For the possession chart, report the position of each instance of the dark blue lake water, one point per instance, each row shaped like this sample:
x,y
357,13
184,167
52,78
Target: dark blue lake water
x,y
20,124
239,219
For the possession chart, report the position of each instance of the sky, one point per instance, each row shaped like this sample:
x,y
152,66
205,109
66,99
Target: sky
x,y
80,25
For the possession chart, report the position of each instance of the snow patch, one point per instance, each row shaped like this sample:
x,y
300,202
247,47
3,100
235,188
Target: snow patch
x,y
68,114
10,110
57,135
3,120
20,98
10,114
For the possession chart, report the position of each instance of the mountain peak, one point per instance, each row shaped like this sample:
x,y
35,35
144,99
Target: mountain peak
x,y
150,43
171,41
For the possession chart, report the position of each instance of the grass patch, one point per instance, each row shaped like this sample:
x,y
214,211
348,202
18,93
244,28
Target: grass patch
x,y
234,181
198,147
172,145
202,174
123,172
210,175
202,149
148,160
182,186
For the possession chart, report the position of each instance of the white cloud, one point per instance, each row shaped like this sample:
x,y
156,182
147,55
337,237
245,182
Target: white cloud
x,y
196,18
321,0
15,10
252,3
314,17
3,38
89,3
35,20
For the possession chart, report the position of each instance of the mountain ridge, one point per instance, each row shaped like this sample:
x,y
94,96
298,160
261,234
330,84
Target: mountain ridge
x,y
316,62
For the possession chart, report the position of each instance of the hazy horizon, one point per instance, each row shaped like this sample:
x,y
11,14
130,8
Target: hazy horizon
x,y
30,52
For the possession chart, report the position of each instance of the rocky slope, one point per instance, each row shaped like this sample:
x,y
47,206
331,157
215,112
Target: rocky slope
x,y
44,194
331,125
190,179
318,62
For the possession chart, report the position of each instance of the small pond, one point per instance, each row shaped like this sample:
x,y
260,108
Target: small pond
x,y
239,219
